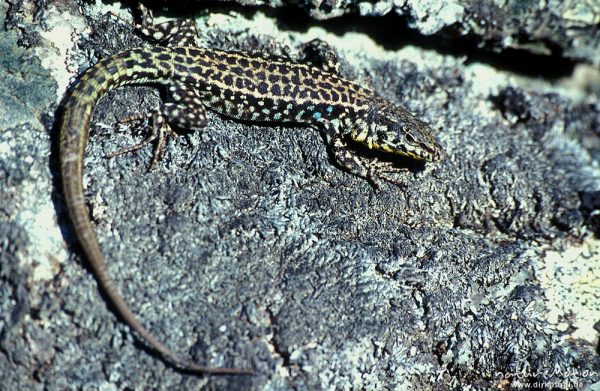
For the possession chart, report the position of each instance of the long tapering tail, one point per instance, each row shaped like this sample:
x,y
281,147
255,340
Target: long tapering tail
x,y
133,66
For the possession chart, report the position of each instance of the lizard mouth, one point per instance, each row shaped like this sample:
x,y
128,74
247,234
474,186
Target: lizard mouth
x,y
433,153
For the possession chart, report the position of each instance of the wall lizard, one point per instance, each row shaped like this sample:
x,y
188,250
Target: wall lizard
x,y
241,85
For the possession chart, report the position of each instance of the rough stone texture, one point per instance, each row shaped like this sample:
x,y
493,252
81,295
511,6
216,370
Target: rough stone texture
x,y
568,28
247,247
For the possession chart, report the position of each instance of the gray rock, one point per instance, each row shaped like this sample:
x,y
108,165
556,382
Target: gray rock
x,y
567,28
247,247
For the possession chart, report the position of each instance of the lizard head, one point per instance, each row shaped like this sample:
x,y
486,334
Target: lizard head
x,y
394,129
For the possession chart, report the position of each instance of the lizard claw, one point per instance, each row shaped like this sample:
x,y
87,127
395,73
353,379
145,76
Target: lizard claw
x,y
159,131
379,170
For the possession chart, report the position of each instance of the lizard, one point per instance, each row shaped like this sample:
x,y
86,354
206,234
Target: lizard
x,y
246,86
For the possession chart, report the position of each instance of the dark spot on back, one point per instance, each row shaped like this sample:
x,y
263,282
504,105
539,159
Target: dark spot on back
x,y
202,62
147,63
194,52
100,79
236,70
228,79
325,85
112,69
163,57
275,90
263,87
90,89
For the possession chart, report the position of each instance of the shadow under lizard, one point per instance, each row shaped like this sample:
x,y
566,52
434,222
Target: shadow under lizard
x,y
241,85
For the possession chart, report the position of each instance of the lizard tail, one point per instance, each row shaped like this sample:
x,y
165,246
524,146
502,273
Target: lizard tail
x,y
125,68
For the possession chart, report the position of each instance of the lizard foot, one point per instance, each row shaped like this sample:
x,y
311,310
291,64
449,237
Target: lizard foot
x,y
159,131
379,170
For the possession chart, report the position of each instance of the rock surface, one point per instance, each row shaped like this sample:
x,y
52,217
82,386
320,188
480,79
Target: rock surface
x,y
247,247
564,28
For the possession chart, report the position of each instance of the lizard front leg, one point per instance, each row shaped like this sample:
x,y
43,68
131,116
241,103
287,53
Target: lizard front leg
x,y
372,170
